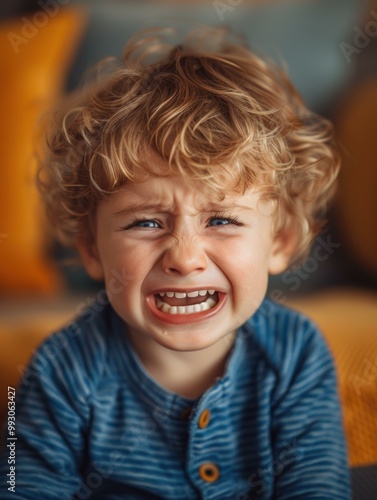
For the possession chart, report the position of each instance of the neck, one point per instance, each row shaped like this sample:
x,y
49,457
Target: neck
x,y
187,373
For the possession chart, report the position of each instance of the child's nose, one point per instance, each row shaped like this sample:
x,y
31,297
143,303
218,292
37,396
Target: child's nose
x,y
184,257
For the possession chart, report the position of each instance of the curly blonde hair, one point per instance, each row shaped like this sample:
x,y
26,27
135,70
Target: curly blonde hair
x,y
218,114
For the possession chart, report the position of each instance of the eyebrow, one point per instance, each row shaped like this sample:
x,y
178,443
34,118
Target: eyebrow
x,y
163,208
137,207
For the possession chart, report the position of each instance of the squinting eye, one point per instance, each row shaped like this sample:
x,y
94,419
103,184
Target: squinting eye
x,y
146,223
223,220
216,221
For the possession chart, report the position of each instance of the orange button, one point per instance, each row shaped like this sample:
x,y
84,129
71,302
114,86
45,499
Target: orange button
x,y
204,418
209,472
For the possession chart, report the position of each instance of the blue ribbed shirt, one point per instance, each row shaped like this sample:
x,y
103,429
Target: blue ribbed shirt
x,y
91,423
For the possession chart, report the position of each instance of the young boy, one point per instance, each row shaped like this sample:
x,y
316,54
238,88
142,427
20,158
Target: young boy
x,y
184,182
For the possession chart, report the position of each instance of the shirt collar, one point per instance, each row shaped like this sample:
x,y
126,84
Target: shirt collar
x,y
157,397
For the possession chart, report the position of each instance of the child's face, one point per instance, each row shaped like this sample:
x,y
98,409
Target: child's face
x,y
162,236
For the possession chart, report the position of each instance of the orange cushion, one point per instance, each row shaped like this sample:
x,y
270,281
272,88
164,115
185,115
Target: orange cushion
x,y
356,200
348,320
33,66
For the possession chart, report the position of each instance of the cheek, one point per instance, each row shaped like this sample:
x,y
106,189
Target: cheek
x,y
122,266
246,267
245,256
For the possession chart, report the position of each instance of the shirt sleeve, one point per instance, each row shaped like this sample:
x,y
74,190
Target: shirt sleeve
x,y
310,456
51,415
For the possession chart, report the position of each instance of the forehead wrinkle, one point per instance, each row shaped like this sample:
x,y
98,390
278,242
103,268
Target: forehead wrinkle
x,y
189,202
186,208
214,207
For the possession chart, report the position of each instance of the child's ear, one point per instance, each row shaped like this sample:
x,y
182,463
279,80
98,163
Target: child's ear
x,y
284,245
90,258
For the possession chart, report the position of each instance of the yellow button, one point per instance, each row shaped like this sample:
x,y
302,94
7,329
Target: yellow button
x,y
204,418
209,472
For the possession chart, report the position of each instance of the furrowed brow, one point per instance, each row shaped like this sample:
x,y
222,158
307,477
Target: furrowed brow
x,y
218,207
163,208
142,207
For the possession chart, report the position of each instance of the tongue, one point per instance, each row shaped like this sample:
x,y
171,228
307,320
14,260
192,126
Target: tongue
x,y
187,301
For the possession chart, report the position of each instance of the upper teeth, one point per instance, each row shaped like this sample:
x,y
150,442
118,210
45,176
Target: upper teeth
x,y
182,295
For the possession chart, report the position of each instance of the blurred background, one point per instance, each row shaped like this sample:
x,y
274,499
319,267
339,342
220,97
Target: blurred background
x,y
330,49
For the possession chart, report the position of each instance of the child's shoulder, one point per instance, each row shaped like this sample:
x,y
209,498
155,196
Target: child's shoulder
x,y
285,337
80,348
281,318
91,329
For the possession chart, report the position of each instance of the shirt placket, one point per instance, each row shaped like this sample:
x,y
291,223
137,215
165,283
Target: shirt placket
x,y
209,447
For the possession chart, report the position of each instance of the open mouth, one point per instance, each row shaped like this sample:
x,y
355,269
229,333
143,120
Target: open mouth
x,y
195,301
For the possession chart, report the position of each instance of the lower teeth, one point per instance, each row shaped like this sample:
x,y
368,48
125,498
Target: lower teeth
x,y
194,308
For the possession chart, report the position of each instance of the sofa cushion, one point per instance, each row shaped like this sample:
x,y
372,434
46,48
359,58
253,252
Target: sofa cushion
x,y
348,320
35,54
